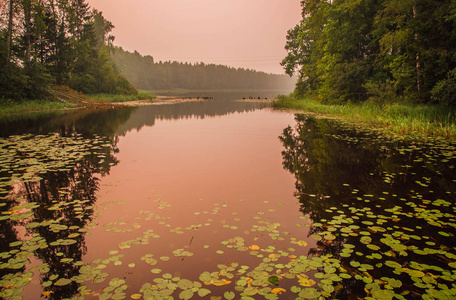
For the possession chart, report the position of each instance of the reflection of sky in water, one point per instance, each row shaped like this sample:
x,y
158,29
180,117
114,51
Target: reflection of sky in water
x,y
197,166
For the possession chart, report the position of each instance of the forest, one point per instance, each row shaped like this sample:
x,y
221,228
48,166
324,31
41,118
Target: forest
x,y
144,73
378,50
55,42
49,44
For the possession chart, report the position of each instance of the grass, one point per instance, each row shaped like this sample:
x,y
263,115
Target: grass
x,y
402,118
67,98
120,98
10,107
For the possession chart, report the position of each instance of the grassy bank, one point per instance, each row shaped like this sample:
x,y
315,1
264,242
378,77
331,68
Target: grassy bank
x,y
66,99
120,98
9,107
399,117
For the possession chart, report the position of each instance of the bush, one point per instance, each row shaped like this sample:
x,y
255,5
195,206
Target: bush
x,y
381,91
38,81
84,83
445,90
12,83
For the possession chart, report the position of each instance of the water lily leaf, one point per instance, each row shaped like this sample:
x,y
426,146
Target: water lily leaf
x,y
250,291
383,294
118,296
62,282
136,296
305,281
309,293
436,294
185,284
444,233
203,292
274,280
278,291
229,295
366,240
254,247
205,277
414,273
316,237
47,283
14,244
220,282
185,295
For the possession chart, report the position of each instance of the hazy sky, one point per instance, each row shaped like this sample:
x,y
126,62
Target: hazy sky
x,y
238,33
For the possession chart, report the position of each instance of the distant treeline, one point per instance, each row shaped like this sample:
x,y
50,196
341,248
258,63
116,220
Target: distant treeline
x,y
144,73
55,42
382,50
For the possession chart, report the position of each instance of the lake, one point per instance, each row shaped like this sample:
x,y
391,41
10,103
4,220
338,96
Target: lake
x,y
222,199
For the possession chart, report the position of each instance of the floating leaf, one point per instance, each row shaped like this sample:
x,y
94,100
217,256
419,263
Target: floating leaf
x,y
184,284
278,291
305,281
316,237
274,280
309,293
229,295
203,292
62,282
254,247
187,294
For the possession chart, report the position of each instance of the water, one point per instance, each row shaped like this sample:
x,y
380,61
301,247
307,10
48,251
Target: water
x,y
221,199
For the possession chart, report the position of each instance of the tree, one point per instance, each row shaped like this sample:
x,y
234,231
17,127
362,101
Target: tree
x,y
352,50
56,41
304,44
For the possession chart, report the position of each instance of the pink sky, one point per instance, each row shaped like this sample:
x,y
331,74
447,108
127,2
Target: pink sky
x,y
238,33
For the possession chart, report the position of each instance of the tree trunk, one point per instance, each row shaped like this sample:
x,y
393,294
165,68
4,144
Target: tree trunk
x,y
417,58
27,5
10,32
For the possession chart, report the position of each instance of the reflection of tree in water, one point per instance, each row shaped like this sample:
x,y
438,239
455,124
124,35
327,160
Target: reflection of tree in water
x,y
85,121
64,200
74,192
147,115
322,164
8,233
352,175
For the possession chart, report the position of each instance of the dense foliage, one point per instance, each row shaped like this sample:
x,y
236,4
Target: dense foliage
x,y
55,42
383,50
145,73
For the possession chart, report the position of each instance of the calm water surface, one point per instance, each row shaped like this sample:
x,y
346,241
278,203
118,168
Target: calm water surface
x,y
221,199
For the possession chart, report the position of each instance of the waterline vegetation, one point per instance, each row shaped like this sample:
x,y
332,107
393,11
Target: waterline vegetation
x,y
403,118
66,98
121,98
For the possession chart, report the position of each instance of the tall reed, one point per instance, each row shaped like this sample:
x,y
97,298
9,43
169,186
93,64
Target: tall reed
x,y
399,117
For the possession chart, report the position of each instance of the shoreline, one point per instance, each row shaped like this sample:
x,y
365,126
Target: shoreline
x,y
43,106
158,100
398,118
